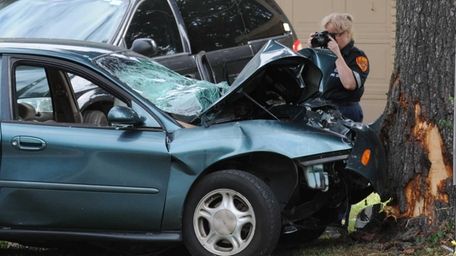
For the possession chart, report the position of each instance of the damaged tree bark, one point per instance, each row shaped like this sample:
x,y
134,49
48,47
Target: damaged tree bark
x,y
418,120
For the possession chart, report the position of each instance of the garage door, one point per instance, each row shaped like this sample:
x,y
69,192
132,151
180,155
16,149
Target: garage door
x,y
374,33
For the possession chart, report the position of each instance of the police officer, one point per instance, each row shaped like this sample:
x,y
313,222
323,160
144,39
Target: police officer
x,y
346,83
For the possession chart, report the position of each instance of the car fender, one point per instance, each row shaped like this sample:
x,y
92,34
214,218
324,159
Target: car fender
x,y
367,138
196,150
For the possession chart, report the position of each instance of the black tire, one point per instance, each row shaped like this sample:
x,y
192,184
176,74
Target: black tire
x,y
265,234
95,117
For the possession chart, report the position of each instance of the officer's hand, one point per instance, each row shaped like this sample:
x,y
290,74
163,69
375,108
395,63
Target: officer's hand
x,y
334,47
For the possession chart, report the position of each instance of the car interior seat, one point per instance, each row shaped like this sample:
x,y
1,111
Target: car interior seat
x,y
26,112
95,117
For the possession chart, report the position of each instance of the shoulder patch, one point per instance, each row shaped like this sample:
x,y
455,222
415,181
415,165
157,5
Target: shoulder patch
x,y
362,63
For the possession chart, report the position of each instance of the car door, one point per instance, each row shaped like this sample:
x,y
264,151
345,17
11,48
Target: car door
x,y
159,20
60,172
218,30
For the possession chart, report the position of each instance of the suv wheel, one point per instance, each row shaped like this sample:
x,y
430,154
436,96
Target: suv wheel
x,y
231,213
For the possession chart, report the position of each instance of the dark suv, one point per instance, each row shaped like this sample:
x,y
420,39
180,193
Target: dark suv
x,y
202,39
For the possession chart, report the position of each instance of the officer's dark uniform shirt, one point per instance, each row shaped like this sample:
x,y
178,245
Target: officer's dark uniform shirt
x,y
334,90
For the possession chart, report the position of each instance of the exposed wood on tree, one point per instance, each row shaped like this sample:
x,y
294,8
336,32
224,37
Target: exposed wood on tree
x,y
418,125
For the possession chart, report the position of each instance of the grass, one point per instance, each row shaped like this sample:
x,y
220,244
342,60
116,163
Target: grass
x,y
337,247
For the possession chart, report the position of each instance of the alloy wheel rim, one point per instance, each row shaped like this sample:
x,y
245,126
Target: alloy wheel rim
x,y
224,222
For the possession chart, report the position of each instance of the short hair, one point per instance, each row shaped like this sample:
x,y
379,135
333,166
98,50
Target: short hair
x,y
342,22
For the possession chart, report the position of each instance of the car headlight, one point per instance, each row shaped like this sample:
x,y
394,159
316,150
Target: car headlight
x,y
316,177
314,172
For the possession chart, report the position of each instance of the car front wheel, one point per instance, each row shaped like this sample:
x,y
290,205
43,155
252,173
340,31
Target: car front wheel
x,y
231,213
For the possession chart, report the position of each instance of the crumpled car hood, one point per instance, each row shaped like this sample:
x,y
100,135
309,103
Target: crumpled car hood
x,y
288,76
324,59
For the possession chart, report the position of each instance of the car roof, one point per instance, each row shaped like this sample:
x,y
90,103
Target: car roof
x,y
83,51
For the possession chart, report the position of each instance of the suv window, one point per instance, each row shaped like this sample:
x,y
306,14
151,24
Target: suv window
x,y
155,20
92,20
261,19
212,24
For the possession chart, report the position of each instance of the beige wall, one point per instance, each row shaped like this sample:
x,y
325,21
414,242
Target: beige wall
x,y
374,33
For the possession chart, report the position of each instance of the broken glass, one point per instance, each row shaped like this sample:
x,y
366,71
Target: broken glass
x,y
166,89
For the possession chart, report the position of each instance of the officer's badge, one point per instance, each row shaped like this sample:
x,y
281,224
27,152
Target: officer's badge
x,y
362,63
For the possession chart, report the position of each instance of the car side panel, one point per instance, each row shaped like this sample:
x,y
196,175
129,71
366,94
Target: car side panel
x,y
194,150
375,169
84,178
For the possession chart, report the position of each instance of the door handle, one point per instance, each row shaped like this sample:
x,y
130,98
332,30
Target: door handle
x,y
28,143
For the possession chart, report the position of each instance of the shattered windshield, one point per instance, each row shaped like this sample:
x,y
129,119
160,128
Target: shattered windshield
x,y
92,20
166,89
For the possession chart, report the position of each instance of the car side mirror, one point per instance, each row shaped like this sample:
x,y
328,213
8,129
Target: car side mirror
x,y
145,46
124,117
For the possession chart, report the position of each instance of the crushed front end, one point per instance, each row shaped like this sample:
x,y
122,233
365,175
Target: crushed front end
x,y
281,85
330,183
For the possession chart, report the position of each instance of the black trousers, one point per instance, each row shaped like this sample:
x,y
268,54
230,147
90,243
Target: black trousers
x,y
351,110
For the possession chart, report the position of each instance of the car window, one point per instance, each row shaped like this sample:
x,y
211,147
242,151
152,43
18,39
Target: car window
x,y
94,102
51,95
91,20
155,20
212,24
261,19
32,94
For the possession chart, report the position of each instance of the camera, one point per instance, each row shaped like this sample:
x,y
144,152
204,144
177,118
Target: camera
x,y
321,39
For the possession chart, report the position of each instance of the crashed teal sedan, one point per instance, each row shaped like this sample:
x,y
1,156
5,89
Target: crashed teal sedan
x,y
226,170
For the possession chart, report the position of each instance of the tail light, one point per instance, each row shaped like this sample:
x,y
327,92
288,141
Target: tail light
x,y
297,45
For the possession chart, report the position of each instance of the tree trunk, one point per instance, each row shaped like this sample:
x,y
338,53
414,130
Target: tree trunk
x,y
418,120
